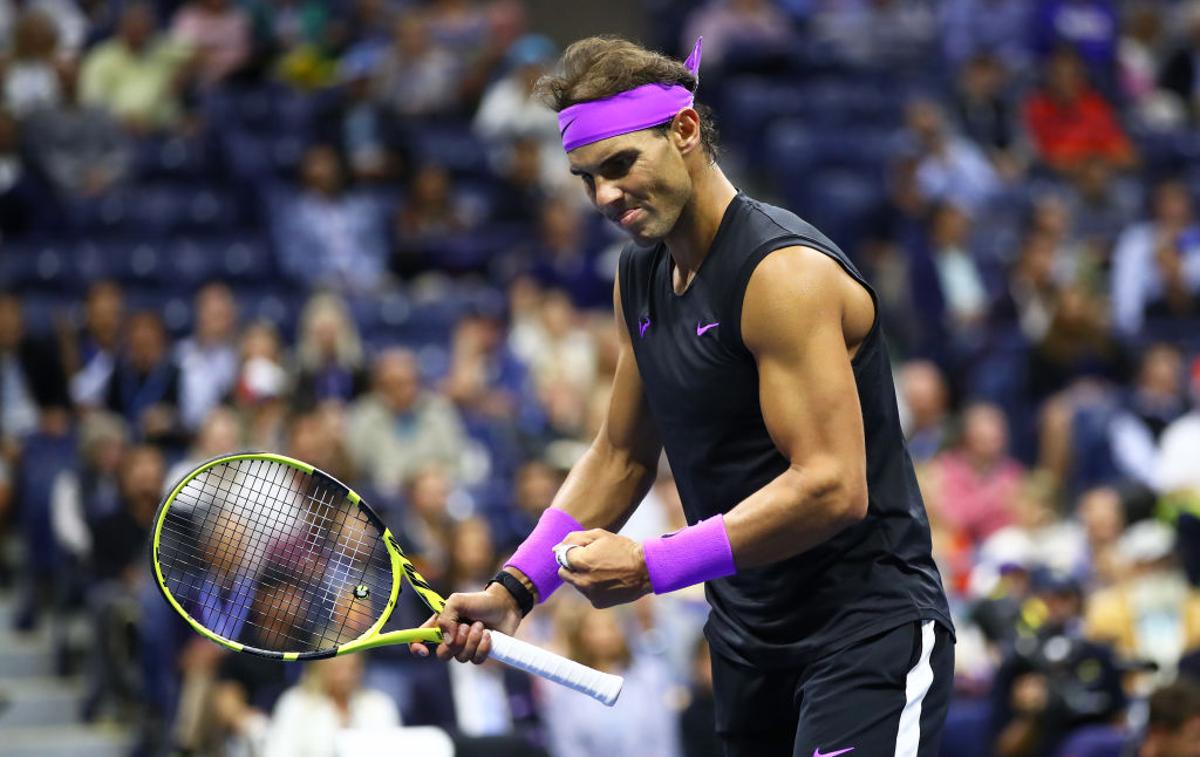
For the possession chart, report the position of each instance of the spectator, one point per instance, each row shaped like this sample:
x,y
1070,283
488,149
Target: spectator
x,y
299,36
986,114
1151,613
640,724
562,359
431,209
31,78
314,439
92,491
1180,72
22,197
328,234
31,376
564,258
417,76
487,706
956,299
492,390
1155,400
137,75
1070,123
925,402
116,572
260,391
472,555
884,34
509,113
217,34
91,353
144,386
1054,680
361,126
520,194
1177,470
70,22
1173,725
1138,55
329,354
1034,288
949,168
1102,515
208,358
997,27
219,434
330,698
737,26
976,483
1100,206
1156,263
1087,26
399,428
462,28
80,148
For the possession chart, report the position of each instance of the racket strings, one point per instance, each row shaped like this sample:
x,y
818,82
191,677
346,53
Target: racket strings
x,y
263,554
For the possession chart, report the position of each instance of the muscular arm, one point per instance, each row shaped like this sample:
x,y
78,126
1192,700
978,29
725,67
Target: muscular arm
x,y
801,317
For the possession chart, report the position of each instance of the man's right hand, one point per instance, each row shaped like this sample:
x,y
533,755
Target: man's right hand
x,y
464,620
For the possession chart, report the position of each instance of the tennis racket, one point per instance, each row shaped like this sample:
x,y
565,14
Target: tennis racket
x,y
268,555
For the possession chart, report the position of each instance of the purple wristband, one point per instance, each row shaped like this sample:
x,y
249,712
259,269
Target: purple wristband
x,y
535,556
688,556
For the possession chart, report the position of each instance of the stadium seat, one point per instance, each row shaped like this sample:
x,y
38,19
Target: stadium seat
x,y
452,145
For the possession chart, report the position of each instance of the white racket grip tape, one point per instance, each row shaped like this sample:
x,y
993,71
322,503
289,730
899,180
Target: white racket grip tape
x,y
603,687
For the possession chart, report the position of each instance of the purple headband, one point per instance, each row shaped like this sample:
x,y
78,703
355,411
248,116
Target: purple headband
x,y
639,108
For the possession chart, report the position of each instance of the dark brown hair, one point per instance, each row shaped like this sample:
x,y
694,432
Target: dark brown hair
x,y
599,67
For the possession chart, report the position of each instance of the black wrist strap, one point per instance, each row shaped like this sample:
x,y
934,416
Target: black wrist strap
x,y
518,590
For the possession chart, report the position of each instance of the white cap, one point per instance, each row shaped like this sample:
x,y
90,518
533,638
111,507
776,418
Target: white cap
x,y
1146,541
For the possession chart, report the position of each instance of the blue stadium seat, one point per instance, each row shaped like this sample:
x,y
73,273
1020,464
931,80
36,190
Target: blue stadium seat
x,y
263,109
452,145
795,145
836,200
37,264
173,306
178,158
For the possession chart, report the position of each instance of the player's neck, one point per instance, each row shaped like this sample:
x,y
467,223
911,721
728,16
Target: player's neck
x,y
693,234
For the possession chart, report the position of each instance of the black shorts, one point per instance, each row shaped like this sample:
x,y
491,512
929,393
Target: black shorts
x,y
885,695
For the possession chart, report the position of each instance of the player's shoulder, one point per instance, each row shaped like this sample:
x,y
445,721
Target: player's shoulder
x,y
797,271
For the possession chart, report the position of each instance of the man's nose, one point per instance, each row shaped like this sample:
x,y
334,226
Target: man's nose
x,y
607,194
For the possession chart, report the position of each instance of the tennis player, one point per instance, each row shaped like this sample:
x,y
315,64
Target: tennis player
x,y
751,350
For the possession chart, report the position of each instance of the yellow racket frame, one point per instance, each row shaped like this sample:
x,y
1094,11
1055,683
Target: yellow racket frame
x,y
402,570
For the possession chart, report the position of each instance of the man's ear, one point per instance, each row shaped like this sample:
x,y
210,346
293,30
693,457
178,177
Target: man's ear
x,y
685,130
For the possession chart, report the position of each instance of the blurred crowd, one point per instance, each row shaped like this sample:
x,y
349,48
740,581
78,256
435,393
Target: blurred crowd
x,y
344,230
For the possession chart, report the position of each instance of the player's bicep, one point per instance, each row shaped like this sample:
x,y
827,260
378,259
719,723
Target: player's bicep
x,y
628,426
792,321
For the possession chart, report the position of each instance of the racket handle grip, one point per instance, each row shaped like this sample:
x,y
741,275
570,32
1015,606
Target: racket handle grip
x,y
603,687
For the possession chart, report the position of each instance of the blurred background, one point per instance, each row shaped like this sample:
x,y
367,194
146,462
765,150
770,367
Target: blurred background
x,y
341,229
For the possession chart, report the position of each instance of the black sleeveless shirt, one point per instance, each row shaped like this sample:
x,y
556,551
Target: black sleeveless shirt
x,y
701,383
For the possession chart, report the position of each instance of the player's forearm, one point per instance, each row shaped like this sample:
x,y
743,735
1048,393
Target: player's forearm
x,y
604,487
800,509
601,491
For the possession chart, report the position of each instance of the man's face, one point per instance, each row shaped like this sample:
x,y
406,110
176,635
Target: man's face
x,y
639,181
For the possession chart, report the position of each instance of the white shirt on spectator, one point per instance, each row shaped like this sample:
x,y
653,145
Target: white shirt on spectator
x,y
206,373
1179,449
306,724
1136,280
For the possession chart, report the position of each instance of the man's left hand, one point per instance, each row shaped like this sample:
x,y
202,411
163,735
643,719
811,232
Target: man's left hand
x,y
606,568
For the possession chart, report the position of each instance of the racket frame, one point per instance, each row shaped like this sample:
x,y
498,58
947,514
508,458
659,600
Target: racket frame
x,y
403,570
